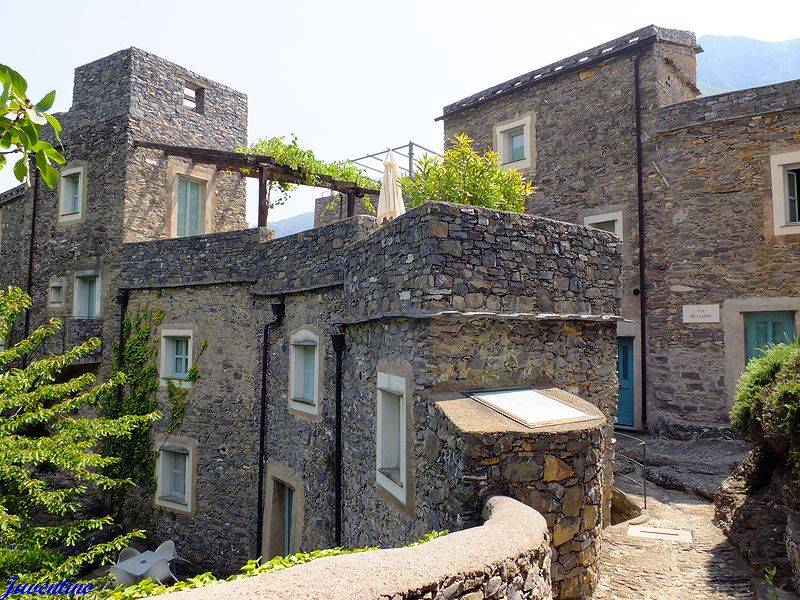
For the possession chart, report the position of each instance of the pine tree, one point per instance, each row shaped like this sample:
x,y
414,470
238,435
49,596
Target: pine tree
x,y
51,439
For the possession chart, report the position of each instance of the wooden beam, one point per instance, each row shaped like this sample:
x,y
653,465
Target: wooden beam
x,y
351,205
263,197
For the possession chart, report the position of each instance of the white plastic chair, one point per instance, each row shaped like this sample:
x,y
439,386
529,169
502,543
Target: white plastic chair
x,y
122,577
160,572
127,553
168,551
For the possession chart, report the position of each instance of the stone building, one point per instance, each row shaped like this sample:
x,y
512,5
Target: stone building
x,y
702,193
358,385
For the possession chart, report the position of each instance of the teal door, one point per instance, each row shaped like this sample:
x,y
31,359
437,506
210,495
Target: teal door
x,y
767,328
625,378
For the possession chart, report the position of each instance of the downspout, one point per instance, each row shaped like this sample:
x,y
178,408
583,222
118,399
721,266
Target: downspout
x,y
31,249
278,310
338,347
640,200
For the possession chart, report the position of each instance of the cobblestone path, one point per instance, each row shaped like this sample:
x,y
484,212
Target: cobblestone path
x,y
711,567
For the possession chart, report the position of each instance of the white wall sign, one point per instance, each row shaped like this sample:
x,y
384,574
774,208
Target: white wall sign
x,y
701,313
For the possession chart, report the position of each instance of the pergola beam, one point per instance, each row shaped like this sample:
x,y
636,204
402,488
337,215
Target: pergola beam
x,y
261,167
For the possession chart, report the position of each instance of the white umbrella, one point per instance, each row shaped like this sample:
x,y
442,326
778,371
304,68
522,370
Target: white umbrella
x,y
390,201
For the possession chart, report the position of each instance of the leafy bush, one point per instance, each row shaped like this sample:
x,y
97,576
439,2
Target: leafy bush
x,y
766,407
28,560
148,587
292,155
463,176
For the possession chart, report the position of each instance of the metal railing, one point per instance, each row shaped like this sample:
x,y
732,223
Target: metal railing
x,y
642,465
407,151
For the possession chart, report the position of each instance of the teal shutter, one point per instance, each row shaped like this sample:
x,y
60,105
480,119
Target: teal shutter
x,y
767,328
193,224
309,354
91,297
183,195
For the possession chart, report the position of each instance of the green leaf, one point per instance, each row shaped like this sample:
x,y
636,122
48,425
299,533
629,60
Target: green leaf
x,y
21,169
17,81
35,117
45,103
54,124
49,174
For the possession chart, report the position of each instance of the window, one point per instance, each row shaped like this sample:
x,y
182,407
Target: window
x,y
792,201
87,296
281,515
611,222
304,376
391,438
55,294
193,96
71,194
189,211
514,143
175,473
176,356
785,170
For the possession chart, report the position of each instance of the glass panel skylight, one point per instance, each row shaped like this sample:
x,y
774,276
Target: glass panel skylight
x,y
530,407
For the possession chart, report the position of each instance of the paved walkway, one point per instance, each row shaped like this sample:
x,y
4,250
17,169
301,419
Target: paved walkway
x,y
635,568
647,569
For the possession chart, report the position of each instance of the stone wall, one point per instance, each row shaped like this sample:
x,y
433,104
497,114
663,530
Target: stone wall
x,y
711,241
507,557
332,208
557,469
450,257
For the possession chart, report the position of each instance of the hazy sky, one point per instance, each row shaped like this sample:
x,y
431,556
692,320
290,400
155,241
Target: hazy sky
x,y
350,77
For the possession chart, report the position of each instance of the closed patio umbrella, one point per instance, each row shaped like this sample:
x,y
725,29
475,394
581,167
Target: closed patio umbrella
x,y
390,200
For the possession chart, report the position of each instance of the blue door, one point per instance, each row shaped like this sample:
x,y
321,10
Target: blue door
x,y
767,328
625,378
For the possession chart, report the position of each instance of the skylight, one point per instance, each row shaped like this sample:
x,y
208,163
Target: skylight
x,y
530,407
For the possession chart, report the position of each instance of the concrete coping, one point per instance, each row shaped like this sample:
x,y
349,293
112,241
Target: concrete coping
x,y
511,530
473,417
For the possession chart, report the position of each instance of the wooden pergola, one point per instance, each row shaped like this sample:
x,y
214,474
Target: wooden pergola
x,y
265,168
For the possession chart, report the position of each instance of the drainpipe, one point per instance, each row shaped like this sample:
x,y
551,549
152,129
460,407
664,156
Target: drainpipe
x,y
338,347
122,300
640,200
31,248
278,310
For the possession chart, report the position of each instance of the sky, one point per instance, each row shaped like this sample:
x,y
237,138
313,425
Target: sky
x,y
350,77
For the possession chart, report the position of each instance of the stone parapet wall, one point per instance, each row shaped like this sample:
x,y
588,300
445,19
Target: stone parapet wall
x,y
775,97
507,557
230,256
557,469
452,257
330,209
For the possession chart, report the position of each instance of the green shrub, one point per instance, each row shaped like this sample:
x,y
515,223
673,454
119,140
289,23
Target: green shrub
x,y
463,176
766,407
28,560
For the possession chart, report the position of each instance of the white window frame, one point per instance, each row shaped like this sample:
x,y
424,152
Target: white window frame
x,y
779,165
179,445
56,283
167,339
62,193
77,296
502,141
204,190
615,216
395,385
303,338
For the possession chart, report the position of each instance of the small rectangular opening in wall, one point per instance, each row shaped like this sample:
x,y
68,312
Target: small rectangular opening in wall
x,y
193,96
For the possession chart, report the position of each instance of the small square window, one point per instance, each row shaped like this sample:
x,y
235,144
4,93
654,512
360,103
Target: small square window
x,y
304,371
785,179
515,139
55,298
176,356
391,435
610,222
189,207
87,296
70,192
174,473
193,96
513,142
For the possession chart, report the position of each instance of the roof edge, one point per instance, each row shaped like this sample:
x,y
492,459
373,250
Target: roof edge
x,y
566,65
